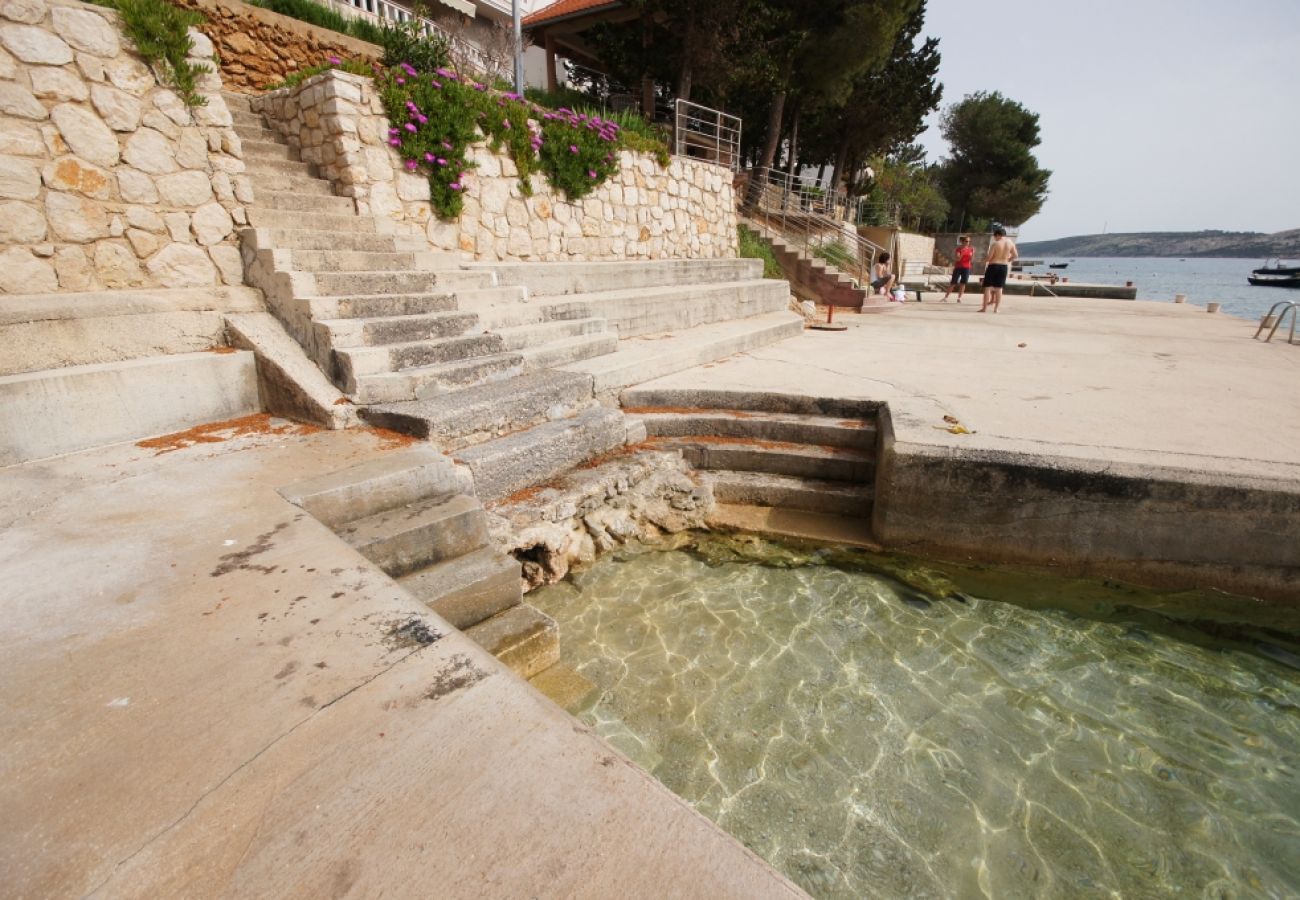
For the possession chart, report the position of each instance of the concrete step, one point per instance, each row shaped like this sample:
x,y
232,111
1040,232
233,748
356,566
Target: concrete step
x,y
551,278
55,411
406,538
517,461
378,306
654,310
523,637
569,350
242,117
773,458
374,332
470,588
256,165
516,312
517,337
642,359
269,150
335,284
358,361
487,410
850,531
291,184
299,239
236,101
790,428
388,482
253,128
295,201
431,381
567,689
785,492
748,402
342,260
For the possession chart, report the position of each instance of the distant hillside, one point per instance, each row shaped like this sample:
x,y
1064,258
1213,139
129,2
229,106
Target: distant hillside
x,y
1170,243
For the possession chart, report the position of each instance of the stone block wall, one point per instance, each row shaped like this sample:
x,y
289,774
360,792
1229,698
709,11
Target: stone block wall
x,y
686,211
259,48
107,180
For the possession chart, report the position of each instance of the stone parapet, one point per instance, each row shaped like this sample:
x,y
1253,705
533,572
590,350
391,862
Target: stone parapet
x,y
683,211
107,180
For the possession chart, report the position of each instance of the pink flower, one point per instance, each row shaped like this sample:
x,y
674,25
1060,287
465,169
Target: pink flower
x,y
396,142
335,61
591,173
573,148
436,84
401,81
411,164
456,186
440,161
446,146
505,123
410,126
428,157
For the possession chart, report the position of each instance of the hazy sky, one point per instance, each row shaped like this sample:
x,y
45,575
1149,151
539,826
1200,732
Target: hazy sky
x,y
1155,115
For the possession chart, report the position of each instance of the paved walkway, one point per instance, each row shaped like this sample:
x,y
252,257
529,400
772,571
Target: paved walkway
x,y
205,692
1143,383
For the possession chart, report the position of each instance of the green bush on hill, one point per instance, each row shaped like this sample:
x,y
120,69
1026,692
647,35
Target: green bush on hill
x,y
160,33
754,247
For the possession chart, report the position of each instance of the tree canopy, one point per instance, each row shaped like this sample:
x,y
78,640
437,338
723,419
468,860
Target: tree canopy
x,y
991,172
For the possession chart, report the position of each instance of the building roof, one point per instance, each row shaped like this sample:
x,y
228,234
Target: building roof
x,y
567,9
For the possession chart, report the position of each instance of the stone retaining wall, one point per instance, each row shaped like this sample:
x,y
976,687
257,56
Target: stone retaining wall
x,y
107,180
686,211
259,48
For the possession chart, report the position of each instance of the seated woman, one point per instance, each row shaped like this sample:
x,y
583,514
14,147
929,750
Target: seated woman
x,y
882,280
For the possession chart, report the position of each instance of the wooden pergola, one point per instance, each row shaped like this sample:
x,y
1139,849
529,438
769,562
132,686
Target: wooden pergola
x,y
561,29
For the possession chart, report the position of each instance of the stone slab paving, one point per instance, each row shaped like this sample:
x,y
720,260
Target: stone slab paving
x,y
1124,382
205,692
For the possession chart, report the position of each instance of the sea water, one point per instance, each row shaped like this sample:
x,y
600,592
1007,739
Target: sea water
x,y
1202,280
870,742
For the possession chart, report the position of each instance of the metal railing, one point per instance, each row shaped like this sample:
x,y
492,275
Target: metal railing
x,y
382,12
1286,306
706,134
818,222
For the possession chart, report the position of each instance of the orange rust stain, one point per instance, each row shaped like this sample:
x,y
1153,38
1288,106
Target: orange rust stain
x,y
852,423
688,411
393,440
221,349
342,401
219,432
749,442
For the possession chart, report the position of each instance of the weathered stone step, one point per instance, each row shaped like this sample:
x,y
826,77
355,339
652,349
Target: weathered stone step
x,y
342,260
470,588
551,278
785,492
773,458
358,361
487,410
406,538
569,350
430,381
259,166
304,185
793,428
255,149
386,482
654,310
640,360
374,306
338,283
523,637
517,313
237,101
749,401
374,332
253,128
295,201
517,461
300,239
517,337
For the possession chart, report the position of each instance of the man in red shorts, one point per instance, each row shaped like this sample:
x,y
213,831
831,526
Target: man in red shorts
x,y
960,269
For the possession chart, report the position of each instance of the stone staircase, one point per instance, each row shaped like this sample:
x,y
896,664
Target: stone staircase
x,y
815,279
414,514
772,450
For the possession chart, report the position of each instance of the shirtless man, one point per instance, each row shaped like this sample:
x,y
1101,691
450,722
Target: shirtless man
x,y
997,263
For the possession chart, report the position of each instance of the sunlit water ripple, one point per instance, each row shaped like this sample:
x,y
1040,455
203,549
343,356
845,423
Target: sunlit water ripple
x,y
868,747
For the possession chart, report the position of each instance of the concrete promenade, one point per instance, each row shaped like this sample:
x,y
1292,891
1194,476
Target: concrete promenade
x,y
205,693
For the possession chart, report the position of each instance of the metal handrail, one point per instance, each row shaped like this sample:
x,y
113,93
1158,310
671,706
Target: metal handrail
x,y
382,12
712,135
816,221
1287,306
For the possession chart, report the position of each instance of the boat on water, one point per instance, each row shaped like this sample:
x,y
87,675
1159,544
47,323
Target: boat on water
x,y
1057,265
1274,274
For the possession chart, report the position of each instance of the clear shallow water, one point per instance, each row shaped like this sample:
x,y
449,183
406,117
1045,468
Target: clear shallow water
x,y
1202,280
868,743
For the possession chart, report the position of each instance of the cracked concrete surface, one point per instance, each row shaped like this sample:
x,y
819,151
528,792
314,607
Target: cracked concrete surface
x,y
205,692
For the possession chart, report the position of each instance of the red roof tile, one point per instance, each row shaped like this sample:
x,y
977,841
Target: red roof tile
x,y
565,9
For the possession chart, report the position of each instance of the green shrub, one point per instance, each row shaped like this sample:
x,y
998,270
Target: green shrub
x,y
402,42
751,246
350,65
836,254
405,43
160,32
307,11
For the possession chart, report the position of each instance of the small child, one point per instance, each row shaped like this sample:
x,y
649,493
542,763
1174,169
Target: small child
x,y
882,280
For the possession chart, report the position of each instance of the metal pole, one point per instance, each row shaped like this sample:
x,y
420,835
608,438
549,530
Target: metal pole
x,y
519,47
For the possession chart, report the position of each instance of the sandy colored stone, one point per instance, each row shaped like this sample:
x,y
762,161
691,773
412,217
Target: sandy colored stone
x,y
215,112
192,150
22,273
86,134
54,83
229,263
143,242
150,151
178,226
129,74
184,189
20,139
72,174
73,269
211,224
32,12
119,110
21,224
19,179
116,266
76,220
35,45
201,46
146,218
16,100
170,104
90,66
136,187
160,123
182,265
